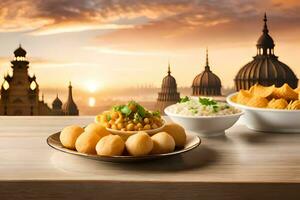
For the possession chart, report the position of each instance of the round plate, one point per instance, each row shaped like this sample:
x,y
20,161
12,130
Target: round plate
x,y
192,142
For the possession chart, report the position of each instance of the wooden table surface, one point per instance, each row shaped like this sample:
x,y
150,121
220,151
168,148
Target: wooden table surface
x,y
241,165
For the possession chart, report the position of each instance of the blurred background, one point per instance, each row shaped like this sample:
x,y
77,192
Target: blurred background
x,y
115,51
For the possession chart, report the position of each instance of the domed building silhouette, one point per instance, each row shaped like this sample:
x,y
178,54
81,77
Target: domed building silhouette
x,y
168,94
265,68
207,83
70,108
57,106
20,92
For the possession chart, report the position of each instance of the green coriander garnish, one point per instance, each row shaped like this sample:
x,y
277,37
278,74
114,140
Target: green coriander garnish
x,y
207,101
184,99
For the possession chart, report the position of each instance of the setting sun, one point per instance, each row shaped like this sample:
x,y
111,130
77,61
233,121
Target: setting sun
x,y
92,101
92,86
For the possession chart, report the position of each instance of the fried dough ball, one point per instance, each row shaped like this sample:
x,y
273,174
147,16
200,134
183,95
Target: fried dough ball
x,y
259,102
110,145
139,144
97,129
86,142
177,132
278,104
285,92
162,143
69,135
262,91
243,97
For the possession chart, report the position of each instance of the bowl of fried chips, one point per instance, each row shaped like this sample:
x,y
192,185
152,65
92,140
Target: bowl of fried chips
x,y
269,108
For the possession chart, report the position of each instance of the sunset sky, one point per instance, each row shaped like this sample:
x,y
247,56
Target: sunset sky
x,y
126,43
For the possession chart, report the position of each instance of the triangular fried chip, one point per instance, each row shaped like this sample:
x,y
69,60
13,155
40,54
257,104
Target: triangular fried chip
x,y
262,91
285,92
257,101
278,104
294,105
297,90
243,97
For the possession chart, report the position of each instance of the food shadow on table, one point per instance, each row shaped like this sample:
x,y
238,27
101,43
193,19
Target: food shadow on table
x,y
200,157
225,138
260,137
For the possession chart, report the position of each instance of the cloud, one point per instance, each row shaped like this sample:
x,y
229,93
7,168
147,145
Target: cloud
x,y
115,51
51,16
151,25
68,28
202,23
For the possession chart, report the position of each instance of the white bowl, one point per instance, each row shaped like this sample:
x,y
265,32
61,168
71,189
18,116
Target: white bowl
x,y
204,125
268,120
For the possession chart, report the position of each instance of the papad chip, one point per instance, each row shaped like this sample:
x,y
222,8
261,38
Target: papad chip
x,y
294,105
285,92
243,97
257,101
297,90
278,104
262,91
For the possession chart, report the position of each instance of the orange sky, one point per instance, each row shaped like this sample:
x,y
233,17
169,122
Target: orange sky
x,y
125,43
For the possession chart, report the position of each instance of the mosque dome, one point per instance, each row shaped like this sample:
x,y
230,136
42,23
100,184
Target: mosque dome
x,y
169,83
57,103
265,68
168,88
20,52
207,83
168,94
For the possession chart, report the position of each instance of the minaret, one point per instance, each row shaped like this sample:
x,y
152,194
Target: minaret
x,y
20,91
169,69
19,98
265,29
207,68
70,108
265,44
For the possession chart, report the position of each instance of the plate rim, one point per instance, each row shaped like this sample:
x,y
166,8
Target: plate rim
x,y
123,158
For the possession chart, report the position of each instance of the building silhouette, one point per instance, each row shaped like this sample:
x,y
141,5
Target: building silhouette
x,y
168,94
265,68
20,92
206,83
70,108
57,106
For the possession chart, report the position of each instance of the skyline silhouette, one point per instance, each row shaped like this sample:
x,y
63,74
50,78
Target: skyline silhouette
x,y
117,50
97,43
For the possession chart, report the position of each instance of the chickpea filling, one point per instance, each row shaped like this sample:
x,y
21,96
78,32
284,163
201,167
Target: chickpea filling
x,y
130,117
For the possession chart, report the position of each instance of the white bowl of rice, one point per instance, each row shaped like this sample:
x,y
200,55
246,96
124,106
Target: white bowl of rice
x,y
203,116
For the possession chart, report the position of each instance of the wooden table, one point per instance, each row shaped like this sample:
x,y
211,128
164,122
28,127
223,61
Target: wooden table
x,y
241,165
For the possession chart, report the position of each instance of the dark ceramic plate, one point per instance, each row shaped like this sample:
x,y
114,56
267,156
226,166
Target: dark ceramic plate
x,y
192,142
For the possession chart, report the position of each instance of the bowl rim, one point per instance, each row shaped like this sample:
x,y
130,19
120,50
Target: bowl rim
x,y
134,132
241,112
244,107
